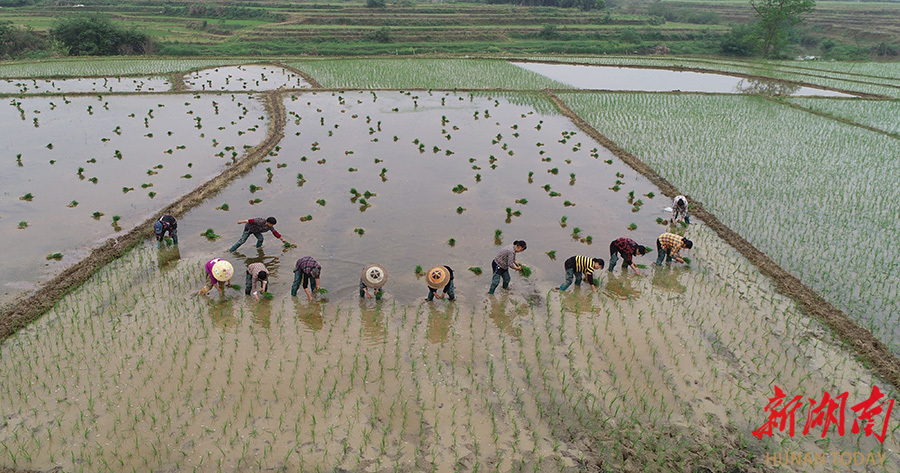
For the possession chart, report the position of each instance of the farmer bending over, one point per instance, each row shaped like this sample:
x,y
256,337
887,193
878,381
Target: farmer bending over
x,y
668,245
504,260
578,265
627,248
307,272
440,277
680,209
218,271
166,223
257,226
257,274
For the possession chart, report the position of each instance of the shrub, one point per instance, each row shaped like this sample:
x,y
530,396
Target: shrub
x,y
96,35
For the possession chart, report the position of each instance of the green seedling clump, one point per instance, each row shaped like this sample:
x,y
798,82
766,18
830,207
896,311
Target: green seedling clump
x,y
321,202
23,224
322,290
451,242
306,218
268,295
526,271
73,204
460,210
552,254
632,226
56,256
223,207
27,197
288,245
360,231
476,270
419,270
210,233
97,215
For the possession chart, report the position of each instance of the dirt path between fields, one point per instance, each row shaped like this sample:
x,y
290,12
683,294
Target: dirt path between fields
x,y
32,307
873,352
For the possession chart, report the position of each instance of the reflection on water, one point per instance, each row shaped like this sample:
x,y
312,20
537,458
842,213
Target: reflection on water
x,y
504,313
262,312
440,319
220,311
373,327
310,315
667,279
766,87
620,287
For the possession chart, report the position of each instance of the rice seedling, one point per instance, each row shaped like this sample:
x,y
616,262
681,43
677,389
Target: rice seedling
x,y
72,204
460,210
210,234
568,204
419,271
55,256
459,189
306,218
223,207
23,224
97,215
359,231
526,271
27,197
254,201
632,226
476,269
321,202
451,242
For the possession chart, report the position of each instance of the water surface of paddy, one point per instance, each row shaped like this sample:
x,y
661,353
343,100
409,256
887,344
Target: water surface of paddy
x,y
244,78
659,80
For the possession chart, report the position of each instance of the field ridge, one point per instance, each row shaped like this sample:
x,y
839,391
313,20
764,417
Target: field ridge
x,y
872,350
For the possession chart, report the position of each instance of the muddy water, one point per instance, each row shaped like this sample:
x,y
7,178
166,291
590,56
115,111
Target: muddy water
x,y
656,80
133,370
97,84
158,144
244,78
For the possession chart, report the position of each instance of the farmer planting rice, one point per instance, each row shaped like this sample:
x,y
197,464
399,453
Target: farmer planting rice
x,y
440,277
578,265
504,260
219,271
257,274
256,227
306,272
373,277
627,248
165,224
668,245
680,209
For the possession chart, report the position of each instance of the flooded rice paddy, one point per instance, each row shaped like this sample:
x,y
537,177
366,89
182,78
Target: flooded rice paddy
x,y
244,78
656,80
96,84
667,371
124,157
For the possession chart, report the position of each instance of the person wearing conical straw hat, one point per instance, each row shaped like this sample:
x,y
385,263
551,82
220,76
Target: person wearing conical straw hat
x,y
578,265
504,260
219,271
440,277
374,276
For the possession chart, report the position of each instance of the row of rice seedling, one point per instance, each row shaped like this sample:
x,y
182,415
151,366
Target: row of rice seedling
x,y
133,372
818,196
880,114
118,66
886,87
128,156
98,85
248,77
422,73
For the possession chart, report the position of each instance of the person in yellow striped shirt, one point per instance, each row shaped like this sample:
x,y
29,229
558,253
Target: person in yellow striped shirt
x,y
577,266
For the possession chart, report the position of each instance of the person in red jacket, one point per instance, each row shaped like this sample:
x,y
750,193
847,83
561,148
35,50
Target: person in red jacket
x,y
256,226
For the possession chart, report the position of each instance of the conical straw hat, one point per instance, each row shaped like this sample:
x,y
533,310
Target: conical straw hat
x,y
222,270
374,276
438,277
